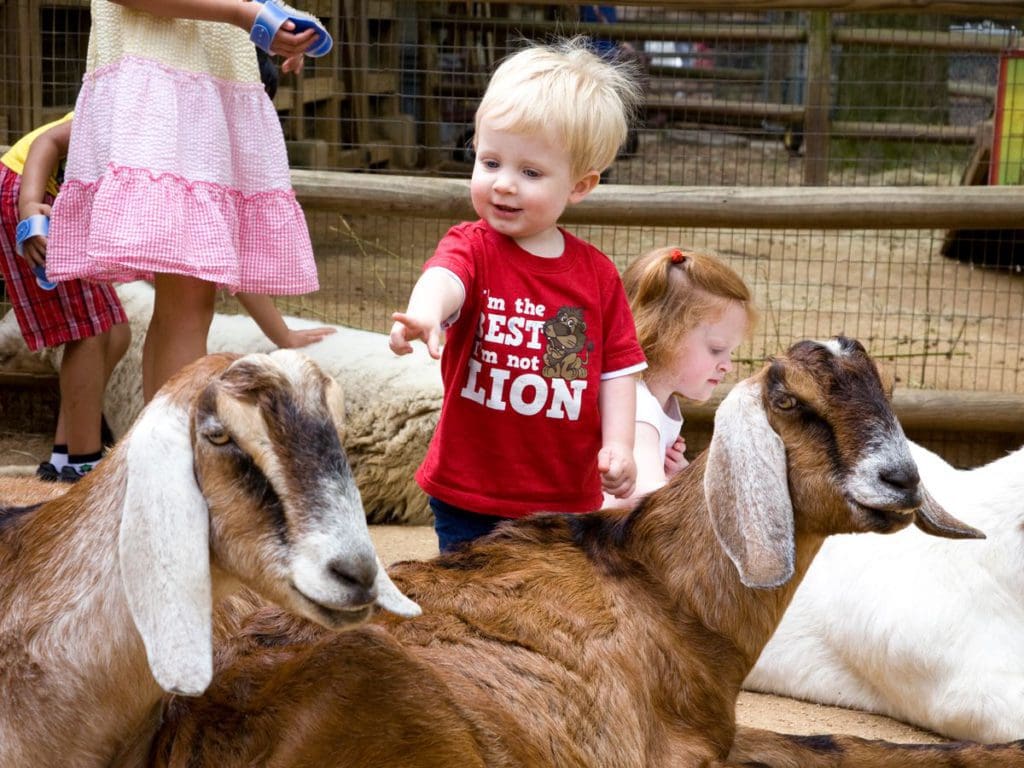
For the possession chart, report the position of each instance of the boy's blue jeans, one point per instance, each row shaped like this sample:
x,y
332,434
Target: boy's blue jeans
x,y
455,526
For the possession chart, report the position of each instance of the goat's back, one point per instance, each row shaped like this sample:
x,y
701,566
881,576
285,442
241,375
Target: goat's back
x,y
501,669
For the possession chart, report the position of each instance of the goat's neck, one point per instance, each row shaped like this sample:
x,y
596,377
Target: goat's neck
x,y
675,539
67,641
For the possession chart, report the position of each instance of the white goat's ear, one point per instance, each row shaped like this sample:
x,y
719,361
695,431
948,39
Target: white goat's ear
x,y
390,599
164,550
747,490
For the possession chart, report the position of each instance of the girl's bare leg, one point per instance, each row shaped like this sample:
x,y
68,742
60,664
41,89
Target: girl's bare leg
x,y
182,313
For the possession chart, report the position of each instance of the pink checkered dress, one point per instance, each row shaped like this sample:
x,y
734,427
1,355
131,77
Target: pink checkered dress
x,y
177,163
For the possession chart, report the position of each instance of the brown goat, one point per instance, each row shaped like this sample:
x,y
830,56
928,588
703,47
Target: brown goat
x,y
234,475
610,640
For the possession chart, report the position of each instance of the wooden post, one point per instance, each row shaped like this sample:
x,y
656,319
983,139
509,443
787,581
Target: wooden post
x,y
818,99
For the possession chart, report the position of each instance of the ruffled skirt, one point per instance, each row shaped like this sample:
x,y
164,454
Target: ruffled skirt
x,y
178,172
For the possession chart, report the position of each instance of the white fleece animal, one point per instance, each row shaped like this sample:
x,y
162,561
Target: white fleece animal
x,y
393,402
922,629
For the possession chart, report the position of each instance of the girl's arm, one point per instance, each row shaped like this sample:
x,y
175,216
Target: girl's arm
x,y
240,13
650,461
227,11
617,402
263,310
48,149
436,296
652,470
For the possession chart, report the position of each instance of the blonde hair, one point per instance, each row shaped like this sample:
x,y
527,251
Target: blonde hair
x,y
585,101
671,291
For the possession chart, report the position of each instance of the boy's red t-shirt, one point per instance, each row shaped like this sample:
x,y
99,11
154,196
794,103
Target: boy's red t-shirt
x,y
520,430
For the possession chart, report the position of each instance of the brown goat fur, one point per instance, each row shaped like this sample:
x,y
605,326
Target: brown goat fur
x,y
608,640
23,491
106,591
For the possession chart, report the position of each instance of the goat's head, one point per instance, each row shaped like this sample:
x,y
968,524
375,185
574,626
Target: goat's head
x,y
239,460
810,445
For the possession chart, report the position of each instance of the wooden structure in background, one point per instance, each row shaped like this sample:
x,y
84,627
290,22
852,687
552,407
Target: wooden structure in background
x,y
465,42
331,113
345,110
35,90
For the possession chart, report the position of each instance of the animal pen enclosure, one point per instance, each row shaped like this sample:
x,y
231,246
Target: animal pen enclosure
x,y
834,155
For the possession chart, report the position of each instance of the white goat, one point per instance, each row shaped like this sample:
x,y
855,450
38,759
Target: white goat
x,y
927,631
393,402
611,640
234,475
15,357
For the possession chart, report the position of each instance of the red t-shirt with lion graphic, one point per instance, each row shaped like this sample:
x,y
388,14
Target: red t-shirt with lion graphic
x,y
520,429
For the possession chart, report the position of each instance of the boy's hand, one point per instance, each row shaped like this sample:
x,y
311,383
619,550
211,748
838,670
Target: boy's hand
x,y
305,336
674,458
618,470
408,328
33,251
31,209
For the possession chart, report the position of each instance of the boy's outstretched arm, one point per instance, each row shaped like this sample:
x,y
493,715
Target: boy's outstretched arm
x,y
437,296
48,149
617,401
263,310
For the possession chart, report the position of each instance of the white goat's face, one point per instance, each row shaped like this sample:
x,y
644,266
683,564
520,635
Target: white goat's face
x,y
829,398
285,513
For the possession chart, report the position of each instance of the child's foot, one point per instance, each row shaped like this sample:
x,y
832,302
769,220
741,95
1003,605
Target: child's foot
x,y
46,471
72,475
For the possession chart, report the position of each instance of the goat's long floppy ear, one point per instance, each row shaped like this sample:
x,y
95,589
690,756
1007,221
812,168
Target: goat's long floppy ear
x,y
164,550
747,490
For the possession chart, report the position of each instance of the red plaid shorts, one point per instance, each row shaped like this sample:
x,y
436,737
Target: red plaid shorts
x,y
74,310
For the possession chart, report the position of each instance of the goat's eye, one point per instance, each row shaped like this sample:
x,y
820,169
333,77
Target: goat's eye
x,y
786,403
218,437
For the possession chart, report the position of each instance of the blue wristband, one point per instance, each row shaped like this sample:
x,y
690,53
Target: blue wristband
x,y
37,224
274,13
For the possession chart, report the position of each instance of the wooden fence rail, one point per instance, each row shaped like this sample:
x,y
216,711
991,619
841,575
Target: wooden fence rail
x,y
870,208
993,9
804,208
927,409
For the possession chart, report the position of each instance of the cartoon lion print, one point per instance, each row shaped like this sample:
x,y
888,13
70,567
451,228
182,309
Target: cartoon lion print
x,y
566,337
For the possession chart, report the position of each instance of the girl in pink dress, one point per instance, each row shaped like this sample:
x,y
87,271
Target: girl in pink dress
x,y
177,171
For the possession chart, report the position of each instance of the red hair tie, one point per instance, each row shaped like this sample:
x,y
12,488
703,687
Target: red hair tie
x,y
677,256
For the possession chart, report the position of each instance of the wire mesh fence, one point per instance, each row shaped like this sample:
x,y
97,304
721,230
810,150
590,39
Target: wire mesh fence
x,y
775,98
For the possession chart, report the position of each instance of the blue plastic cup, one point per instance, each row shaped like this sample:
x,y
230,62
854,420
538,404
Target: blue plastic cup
x,y
41,281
